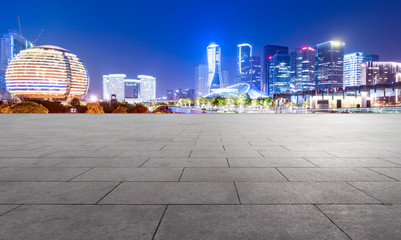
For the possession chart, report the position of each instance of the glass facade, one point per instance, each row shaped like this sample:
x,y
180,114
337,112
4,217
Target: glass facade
x,y
280,76
268,52
329,64
11,44
131,89
352,69
244,55
147,88
214,67
225,79
113,84
303,69
236,90
201,80
47,72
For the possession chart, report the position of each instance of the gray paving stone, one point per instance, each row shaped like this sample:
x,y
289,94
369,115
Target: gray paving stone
x,y
30,162
386,192
6,208
246,222
295,193
231,174
351,162
23,154
80,222
270,154
269,162
198,147
248,153
367,222
84,154
103,162
130,174
39,174
186,162
332,174
167,154
391,172
371,153
54,192
173,193
394,160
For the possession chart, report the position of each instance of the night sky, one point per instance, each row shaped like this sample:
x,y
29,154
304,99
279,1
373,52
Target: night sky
x,y
167,39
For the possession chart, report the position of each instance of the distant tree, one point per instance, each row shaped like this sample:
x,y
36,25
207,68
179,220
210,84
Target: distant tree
x,y
162,109
230,102
254,103
94,108
221,102
27,107
138,108
4,108
241,100
121,109
75,103
52,106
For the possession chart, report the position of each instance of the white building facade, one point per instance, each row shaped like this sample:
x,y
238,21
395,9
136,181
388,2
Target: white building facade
x,y
352,69
113,84
214,67
147,88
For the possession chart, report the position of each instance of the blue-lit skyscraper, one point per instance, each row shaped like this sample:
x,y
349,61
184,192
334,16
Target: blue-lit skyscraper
x,y
352,69
303,65
244,55
280,74
201,80
268,52
329,64
214,66
11,44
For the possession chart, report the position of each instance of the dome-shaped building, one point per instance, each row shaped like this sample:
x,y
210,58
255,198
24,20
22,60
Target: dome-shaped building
x,y
47,72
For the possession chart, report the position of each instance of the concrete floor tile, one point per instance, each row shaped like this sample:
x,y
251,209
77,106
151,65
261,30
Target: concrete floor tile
x,y
250,153
130,174
391,172
80,222
173,193
186,162
246,222
39,174
231,174
351,162
332,174
367,222
269,162
167,154
103,162
294,193
30,162
54,192
386,192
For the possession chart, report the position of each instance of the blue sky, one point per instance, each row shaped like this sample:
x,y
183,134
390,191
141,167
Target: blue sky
x,y
168,38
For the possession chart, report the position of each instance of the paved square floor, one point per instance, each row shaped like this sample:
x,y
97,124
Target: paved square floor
x,y
178,177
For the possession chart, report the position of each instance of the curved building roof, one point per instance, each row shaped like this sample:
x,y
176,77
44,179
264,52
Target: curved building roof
x,y
236,90
52,47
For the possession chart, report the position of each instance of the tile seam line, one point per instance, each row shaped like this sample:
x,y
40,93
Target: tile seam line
x,y
382,174
236,190
18,206
80,174
324,214
111,190
282,174
159,223
350,183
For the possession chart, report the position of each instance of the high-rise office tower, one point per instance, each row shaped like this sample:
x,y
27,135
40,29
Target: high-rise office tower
x,y
201,80
147,88
380,73
256,72
268,52
214,67
225,79
303,67
132,88
11,44
114,84
280,74
329,64
244,55
352,69
170,94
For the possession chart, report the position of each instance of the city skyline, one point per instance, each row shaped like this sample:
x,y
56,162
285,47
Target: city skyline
x,y
139,51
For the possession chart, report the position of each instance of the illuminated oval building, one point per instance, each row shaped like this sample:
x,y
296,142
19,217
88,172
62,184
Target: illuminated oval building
x,y
48,72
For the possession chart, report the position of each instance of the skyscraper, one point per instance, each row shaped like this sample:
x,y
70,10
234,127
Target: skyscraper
x,y
329,64
280,74
114,84
244,55
11,44
214,66
147,88
225,79
268,52
201,80
352,69
303,69
256,72
380,73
